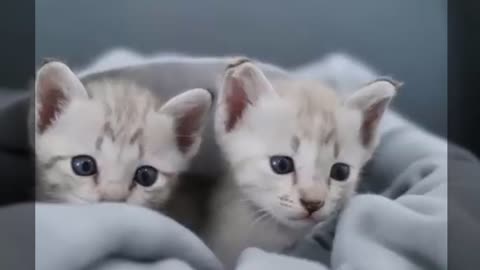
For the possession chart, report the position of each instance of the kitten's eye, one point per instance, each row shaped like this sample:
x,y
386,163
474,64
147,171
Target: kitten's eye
x,y
282,164
145,176
84,165
340,171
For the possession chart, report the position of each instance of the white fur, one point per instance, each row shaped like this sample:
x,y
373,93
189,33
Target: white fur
x,y
257,207
80,123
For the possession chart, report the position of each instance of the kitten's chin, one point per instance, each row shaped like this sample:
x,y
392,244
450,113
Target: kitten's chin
x,y
294,223
300,223
305,222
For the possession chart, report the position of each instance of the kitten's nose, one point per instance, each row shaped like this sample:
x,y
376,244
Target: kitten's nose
x,y
311,206
114,193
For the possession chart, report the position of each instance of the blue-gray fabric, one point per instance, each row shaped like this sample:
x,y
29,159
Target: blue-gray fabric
x,y
399,223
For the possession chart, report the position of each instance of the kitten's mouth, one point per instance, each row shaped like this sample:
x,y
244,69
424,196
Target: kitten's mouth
x,y
305,218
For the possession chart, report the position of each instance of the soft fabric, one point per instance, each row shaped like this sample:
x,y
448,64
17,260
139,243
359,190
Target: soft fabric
x,y
401,223
99,237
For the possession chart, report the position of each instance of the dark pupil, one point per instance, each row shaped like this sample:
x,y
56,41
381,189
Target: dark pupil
x,y
146,176
340,171
281,164
84,165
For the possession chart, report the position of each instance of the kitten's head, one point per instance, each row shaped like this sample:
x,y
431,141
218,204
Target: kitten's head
x,y
295,148
111,140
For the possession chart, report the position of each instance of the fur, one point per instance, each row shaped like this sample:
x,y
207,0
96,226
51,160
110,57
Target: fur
x,y
257,118
122,126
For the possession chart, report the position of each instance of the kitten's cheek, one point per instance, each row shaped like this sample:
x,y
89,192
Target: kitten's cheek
x,y
137,198
323,213
160,182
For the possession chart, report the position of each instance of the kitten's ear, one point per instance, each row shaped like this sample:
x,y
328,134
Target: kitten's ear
x,y
190,112
243,84
372,100
55,86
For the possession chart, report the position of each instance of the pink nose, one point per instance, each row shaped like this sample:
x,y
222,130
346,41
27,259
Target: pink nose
x,y
311,206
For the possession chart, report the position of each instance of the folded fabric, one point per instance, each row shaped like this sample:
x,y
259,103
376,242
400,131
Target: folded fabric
x,y
104,235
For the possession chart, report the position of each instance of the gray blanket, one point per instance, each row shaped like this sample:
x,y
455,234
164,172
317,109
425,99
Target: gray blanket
x,y
399,222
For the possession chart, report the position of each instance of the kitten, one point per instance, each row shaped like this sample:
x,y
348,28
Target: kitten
x,y
111,140
295,152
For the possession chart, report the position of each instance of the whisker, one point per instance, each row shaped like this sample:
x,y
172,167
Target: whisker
x,y
262,216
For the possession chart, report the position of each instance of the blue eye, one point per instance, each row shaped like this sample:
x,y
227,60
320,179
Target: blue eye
x,y
282,164
145,176
84,165
340,171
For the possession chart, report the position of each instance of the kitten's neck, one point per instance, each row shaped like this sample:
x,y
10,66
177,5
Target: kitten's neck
x,y
236,224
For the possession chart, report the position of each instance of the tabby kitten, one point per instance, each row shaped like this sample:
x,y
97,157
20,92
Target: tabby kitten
x,y
295,151
111,140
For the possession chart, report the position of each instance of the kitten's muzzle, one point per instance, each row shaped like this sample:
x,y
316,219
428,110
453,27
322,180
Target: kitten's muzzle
x,y
113,193
311,206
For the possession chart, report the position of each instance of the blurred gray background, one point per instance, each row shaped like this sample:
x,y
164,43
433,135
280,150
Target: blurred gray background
x,y
403,38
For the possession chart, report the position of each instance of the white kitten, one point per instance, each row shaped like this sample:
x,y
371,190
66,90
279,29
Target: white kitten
x,y
295,152
111,140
